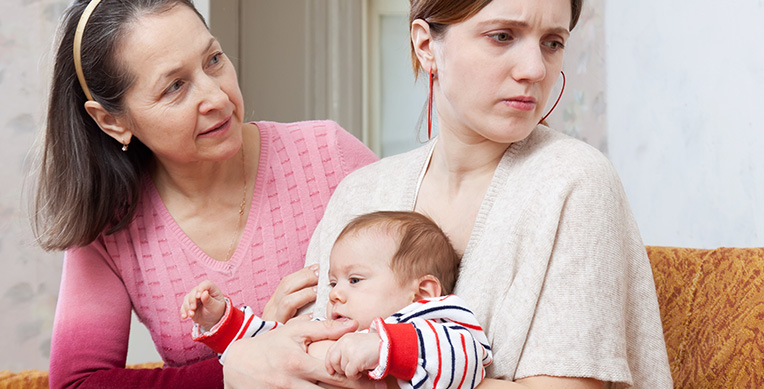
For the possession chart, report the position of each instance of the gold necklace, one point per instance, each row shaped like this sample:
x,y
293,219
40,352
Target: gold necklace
x,y
229,253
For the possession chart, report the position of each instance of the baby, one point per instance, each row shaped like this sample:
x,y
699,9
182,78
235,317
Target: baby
x,y
391,265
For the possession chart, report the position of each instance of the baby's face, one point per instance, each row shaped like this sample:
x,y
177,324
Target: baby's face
x,y
363,285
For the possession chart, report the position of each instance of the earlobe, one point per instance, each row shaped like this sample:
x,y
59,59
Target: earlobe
x,y
429,286
109,124
422,40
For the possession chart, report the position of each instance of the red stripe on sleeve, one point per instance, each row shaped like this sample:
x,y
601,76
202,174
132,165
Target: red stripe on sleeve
x,y
470,326
242,329
440,360
226,331
404,350
466,360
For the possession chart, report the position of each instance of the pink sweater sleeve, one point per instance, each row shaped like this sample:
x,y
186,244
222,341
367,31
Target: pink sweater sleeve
x,y
91,330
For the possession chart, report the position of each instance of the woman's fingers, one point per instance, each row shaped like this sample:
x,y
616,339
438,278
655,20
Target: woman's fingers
x,y
279,359
301,279
293,292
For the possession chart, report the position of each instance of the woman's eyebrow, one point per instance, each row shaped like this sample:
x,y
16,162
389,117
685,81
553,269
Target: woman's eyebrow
x,y
512,23
170,73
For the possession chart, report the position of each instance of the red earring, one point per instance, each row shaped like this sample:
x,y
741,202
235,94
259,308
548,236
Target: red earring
x,y
558,98
429,108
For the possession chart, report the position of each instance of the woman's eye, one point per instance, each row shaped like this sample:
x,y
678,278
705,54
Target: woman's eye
x,y
174,87
216,58
554,45
501,37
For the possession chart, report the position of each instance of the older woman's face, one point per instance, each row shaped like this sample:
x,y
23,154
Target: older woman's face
x,y
185,104
496,70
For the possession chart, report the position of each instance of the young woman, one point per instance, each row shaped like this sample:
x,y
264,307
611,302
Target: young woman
x,y
553,264
151,182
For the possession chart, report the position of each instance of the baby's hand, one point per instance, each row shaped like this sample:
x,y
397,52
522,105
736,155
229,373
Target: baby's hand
x,y
353,354
205,304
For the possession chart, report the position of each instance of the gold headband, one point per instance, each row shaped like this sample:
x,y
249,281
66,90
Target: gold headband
x,y
78,42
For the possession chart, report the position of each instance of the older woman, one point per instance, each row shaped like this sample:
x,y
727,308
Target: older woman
x,y
553,264
151,182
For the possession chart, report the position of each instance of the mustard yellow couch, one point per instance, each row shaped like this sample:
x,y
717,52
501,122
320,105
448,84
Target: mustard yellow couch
x,y
712,309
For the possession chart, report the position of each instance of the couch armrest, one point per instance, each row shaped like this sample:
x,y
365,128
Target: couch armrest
x,y
712,309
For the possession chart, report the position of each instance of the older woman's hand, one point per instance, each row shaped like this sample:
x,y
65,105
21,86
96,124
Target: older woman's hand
x,y
279,359
294,292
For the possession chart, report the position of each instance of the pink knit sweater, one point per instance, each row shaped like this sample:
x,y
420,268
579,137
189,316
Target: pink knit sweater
x,y
150,265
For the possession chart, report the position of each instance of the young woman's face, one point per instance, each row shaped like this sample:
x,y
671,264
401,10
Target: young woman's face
x,y
496,70
185,104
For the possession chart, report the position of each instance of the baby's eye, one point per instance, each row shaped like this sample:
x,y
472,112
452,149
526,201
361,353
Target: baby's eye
x,y
332,284
354,280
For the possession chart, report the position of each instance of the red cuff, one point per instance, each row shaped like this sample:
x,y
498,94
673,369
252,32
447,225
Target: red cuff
x,y
225,331
404,350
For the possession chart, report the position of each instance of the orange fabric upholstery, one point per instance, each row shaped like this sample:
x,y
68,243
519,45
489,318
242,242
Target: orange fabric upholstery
x,y
712,309
26,379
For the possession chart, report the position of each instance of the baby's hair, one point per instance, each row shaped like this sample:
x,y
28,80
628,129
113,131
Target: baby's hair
x,y
423,248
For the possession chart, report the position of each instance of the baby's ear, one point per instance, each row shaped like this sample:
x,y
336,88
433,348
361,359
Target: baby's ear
x,y
429,286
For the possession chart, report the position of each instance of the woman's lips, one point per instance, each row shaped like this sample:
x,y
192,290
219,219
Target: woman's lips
x,y
218,128
522,103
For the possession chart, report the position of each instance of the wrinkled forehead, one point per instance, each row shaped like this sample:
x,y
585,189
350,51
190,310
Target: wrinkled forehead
x,y
156,43
547,14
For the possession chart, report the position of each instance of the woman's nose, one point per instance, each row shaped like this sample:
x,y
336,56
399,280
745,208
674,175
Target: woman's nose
x,y
212,96
530,65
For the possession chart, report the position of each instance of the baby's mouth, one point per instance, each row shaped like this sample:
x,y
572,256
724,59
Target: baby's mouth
x,y
337,316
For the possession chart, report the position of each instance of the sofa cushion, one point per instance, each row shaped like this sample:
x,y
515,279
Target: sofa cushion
x,y
712,308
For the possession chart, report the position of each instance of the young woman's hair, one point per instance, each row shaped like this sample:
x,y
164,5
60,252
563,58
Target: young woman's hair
x,y
439,14
423,248
86,184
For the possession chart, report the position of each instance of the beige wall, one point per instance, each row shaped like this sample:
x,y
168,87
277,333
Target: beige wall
x,y
297,59
29,279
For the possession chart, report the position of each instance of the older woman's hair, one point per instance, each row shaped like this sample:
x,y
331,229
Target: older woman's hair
x,y
423,248
439,14
86,184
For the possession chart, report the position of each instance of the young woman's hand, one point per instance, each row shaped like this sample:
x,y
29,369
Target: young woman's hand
x,y
279,359
294,292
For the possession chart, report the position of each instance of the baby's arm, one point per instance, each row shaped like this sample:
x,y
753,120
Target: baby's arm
x,y
439,344
353,354
204,304
320,349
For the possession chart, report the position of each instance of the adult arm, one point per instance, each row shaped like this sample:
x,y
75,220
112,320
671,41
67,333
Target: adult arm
x,y
91,330
596,313
279,358
543,382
